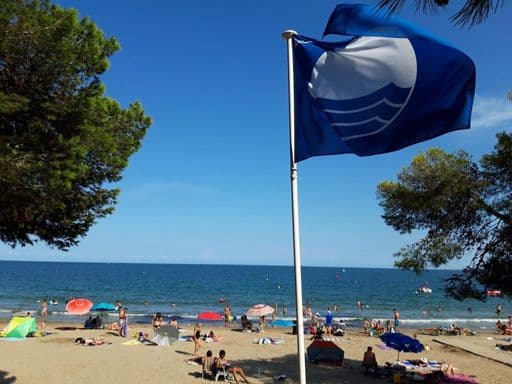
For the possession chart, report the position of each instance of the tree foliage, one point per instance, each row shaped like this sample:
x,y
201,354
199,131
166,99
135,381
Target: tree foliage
x,y
463,209
63,143
471,13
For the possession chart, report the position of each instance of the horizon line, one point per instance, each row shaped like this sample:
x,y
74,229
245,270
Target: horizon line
x,y
225,264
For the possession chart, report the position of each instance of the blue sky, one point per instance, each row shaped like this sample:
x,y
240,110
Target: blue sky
x,y
211,182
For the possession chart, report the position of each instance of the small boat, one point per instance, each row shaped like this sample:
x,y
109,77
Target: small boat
x,y
221,300
425,288
493,292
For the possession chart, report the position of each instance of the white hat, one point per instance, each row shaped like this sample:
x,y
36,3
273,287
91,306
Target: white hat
x,y
424,359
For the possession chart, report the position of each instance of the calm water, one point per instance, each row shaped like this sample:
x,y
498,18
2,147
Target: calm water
x,y
185,290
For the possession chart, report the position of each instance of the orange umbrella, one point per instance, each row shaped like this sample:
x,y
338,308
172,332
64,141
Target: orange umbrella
x,y
79,306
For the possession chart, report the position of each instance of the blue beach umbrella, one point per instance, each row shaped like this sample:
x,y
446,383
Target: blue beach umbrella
x,y
104,307
402,343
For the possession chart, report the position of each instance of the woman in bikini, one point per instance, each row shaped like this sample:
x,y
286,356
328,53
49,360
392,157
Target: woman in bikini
x,y
157,321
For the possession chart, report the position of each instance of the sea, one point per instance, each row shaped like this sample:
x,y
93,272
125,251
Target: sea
x,y
184,290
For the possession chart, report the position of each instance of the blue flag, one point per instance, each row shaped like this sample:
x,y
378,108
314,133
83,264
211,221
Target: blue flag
x,y
386,86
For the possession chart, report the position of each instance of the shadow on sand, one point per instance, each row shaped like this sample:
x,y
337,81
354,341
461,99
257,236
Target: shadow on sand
x,y
266,370
6,380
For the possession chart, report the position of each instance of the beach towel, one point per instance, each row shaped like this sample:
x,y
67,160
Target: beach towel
x,y
131,342
268,340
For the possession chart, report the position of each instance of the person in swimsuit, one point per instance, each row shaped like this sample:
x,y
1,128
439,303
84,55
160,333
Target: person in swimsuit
x,y
222,362
369,361
227,315
214,337
196,338
123,322
84,341
396,320
44,312
174,322
157,321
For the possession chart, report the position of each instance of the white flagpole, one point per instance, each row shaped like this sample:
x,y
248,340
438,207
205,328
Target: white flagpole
x,y
288,35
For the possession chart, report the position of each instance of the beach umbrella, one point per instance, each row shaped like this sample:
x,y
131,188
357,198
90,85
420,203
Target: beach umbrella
x,y
259,310
402,343
103,307
79,306
165,335
210,315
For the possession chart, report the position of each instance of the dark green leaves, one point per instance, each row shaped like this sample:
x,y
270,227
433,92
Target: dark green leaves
x,y
463,209
62,142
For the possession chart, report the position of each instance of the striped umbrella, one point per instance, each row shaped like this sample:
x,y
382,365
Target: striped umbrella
x,y
260,310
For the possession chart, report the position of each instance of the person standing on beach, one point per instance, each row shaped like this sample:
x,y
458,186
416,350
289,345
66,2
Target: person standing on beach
x,y
123,322
44,312
274,314
196,338
328,322
284,310
227,315
262,323
396,320
499,309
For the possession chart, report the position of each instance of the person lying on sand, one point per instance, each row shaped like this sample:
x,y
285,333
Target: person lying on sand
x,y
113,326
95,341
214,337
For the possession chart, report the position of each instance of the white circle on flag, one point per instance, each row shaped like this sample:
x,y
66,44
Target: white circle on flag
x,y
363,67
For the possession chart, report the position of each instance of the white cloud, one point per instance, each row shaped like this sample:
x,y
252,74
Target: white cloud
x,y
491,112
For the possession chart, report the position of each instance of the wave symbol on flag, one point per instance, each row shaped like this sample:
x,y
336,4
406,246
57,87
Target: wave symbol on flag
x,y
362,88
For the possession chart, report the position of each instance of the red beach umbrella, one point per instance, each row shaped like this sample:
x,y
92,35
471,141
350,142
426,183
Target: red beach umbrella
x,y
259,310
210,315
79,306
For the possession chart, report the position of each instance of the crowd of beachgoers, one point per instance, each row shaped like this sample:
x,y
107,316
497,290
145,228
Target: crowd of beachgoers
x,y
209,344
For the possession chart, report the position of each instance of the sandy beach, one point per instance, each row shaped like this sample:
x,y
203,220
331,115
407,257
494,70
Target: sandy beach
x,y
56,359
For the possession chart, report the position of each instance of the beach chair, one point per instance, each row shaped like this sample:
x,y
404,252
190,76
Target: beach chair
x,y
222,372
